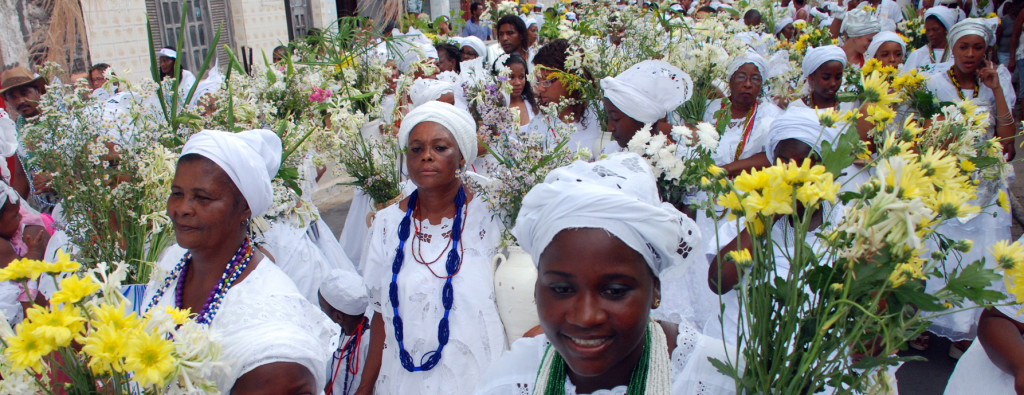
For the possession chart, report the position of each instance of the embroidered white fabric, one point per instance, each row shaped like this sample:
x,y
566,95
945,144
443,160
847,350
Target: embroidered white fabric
x,y
297,256
587,135
730,140
921,60
263,319
516,371
477,337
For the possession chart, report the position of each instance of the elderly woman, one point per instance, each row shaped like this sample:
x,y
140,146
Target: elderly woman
x,y
472,48
428,268
273,339
741,147
643,95
972,77
601,239
889,48
937,22
857,30
555,84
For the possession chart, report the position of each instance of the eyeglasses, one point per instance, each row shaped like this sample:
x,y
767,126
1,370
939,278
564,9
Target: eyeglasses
x,y
741,78
545,83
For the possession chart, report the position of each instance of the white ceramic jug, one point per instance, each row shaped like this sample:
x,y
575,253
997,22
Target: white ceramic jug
x,y
514,281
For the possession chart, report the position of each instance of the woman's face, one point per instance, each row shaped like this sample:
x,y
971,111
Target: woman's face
x,y
788,32
468,53
594,296
859,44
205,207
433,156
745,84
620,125
935,32
509,38
826,80
10,219
445,62
548,89
969,53
890,54
166,65
531,32
517,78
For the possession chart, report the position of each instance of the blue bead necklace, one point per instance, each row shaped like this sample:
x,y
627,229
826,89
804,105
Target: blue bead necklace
x,y
233,270
454,262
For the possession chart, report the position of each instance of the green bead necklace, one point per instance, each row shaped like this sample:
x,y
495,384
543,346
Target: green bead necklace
x,y
637,381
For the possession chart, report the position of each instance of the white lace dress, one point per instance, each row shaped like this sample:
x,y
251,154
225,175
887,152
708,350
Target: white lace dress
x,y
477,337
263,319
587,131
692,374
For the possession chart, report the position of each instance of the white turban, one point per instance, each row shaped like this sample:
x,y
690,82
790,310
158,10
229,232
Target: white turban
x,y
251,159
649,90
946,16
528,21
748,57
345,291
8,194
816,57
972,27
458,122
167,53
617,194
425,89
475,43
860,23
8,135
782,23
883,37
798,123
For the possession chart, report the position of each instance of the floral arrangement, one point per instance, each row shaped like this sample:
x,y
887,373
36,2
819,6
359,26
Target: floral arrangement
x,y
912,30
679,168
86,340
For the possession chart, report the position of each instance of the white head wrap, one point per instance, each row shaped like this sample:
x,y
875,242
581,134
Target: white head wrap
x,y
946,16
167,53
475,43
859,22
425,89
412,47
8,135
748,57
571,16
883,37
799,123
528,21
251,159
972,27
818,56
8,194
344,290
649,90
617,194
458,122
782,23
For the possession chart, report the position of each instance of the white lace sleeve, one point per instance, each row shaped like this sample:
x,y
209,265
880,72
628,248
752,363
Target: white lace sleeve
x,y
516,372
691,371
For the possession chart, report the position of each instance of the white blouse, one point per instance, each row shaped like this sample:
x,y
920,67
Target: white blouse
x,y
477,337
587,131
730,140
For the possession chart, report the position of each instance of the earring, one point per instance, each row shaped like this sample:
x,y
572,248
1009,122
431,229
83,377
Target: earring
x,y
657,302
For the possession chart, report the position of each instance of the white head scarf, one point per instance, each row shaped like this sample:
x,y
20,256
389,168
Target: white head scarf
x,y
8,135
528,21
251,159
425,89
946,16
972,27
617,194
799,123
859,22
748,57
818,56
344,290
7,194
883,37
782,23
458,122
167,53
475,43
649,90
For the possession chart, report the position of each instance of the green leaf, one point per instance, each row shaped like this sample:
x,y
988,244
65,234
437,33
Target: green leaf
x,y
839,157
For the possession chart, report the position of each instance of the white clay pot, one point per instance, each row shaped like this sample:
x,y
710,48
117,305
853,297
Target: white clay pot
x,y
514,280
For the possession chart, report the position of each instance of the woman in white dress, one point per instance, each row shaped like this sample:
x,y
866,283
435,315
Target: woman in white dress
x,y
971,77
857,30
937,22
272,339
549,87
601,238
889,48
428,271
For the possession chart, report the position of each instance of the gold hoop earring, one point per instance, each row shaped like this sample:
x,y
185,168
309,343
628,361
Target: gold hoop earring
x,y
657,302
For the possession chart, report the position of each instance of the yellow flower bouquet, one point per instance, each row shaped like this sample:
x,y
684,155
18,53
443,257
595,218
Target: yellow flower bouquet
x,y
87,340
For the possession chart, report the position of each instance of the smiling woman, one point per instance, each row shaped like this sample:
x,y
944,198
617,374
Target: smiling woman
x,y
217,273
602,240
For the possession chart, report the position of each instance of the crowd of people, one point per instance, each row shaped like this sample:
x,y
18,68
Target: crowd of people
x,y
299,311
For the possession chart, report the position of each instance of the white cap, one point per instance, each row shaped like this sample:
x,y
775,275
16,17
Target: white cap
x,y
345,291
167,53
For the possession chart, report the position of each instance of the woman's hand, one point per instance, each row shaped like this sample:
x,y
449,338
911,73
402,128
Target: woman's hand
x,y
35,238
989,76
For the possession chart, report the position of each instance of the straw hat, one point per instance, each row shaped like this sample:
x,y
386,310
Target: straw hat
x,y
20,76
